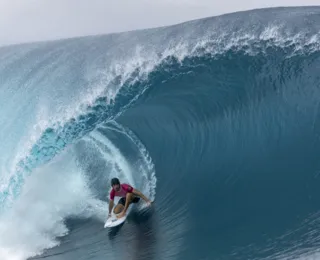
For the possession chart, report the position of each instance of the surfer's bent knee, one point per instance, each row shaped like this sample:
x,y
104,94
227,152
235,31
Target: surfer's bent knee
x,y
130,196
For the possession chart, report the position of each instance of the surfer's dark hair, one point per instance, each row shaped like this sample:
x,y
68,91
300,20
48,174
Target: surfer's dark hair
x,y
115,181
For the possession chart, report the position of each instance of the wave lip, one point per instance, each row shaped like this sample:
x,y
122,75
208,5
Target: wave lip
x,y
118,74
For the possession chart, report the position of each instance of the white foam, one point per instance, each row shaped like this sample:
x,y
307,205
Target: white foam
x,y
60,190
51,194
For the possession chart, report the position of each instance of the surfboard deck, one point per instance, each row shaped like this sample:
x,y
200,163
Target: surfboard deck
x,y
113,221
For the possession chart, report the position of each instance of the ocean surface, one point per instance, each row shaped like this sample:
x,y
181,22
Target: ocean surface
x,y
217,120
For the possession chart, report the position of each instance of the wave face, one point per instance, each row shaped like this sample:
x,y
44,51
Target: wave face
x,y
217,120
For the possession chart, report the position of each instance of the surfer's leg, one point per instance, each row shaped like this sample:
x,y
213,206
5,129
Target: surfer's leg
x,y
132,198
120,206
118,209
122,202
128,200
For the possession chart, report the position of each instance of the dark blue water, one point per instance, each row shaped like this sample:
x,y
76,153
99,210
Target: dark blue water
x,y
217,120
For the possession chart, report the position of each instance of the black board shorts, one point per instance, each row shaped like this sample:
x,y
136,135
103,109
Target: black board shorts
x,y
123,200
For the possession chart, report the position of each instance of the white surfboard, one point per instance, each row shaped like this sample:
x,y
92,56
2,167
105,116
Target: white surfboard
x,y
113,221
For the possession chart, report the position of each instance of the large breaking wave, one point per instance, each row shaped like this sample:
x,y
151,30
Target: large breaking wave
x,y
218,115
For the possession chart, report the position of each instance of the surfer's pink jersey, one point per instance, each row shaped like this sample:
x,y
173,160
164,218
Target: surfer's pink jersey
x,y
125,188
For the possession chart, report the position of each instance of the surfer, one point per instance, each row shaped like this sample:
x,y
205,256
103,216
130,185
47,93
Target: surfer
x,y
128,195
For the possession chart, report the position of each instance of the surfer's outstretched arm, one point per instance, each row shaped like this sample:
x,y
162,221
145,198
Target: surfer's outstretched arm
x,y
140,194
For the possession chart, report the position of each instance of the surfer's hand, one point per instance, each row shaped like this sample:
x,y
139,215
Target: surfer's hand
x,y
149,202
